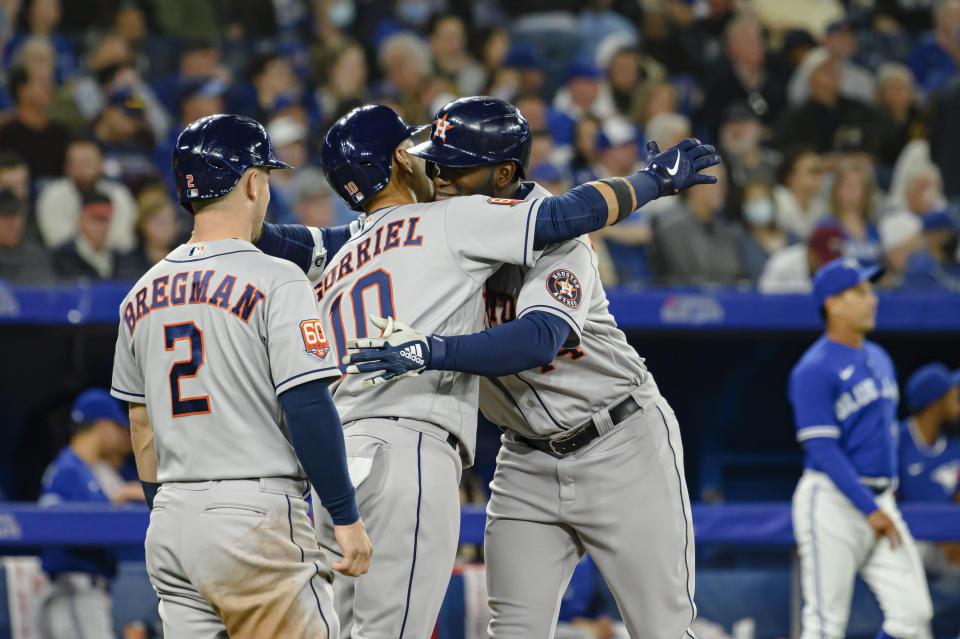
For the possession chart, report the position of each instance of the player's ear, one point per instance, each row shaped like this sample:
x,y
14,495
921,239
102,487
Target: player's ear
x,y
250,182
403,160
504,174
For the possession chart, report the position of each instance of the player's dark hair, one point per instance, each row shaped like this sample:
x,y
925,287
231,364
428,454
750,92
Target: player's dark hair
x,y
198,205
823,313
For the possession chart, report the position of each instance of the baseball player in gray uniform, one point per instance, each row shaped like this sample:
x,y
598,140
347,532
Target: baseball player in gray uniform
x,y
426,262
222,358
591,457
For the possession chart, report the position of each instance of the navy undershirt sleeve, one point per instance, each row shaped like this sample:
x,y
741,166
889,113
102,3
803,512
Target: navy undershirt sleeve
x,y
583,210
317,437
295,243
827,457
533,340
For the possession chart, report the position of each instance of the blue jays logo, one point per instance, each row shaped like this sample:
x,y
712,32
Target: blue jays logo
x,y
565,288
440,128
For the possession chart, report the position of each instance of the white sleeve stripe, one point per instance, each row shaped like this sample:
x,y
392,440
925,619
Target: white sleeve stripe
x,y
309,376
555,311
818,431
528,237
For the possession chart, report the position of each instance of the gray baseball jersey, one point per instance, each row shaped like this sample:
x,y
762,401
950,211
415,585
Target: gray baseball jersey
x,y
209,337
426,263
596,365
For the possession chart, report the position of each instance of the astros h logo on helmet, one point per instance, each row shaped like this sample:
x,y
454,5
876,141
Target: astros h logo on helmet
x,y
441,126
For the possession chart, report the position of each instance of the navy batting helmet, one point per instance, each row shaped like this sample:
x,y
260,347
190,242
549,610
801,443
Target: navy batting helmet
x,y
478,130
357,152
213,152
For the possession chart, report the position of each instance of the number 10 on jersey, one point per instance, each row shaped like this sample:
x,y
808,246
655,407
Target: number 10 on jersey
x,y
378,279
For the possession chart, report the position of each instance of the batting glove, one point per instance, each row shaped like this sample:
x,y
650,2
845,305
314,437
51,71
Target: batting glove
x,y
678,168
399,352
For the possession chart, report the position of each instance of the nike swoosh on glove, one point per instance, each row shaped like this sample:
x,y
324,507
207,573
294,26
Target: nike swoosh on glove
x,y
678,168
399,352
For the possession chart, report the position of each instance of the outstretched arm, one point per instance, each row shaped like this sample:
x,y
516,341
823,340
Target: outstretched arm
x,y
595,205
301,245
519,345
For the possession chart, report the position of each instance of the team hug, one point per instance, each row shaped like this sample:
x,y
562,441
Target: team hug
x,y
264,362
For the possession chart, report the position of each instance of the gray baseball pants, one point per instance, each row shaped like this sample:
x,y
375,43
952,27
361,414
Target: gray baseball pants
x,y
238,559
76,606
407,477
623,499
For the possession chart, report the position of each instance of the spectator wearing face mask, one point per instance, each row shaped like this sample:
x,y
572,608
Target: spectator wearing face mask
x,y
763,237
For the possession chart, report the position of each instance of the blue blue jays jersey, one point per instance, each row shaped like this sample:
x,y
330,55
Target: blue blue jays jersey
x,y
849,394
928,473
69,479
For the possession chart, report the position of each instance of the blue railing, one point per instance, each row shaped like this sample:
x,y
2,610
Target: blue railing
x,y
650,309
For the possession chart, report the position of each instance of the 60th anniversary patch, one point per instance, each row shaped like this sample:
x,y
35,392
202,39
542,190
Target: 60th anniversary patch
x,y
565,288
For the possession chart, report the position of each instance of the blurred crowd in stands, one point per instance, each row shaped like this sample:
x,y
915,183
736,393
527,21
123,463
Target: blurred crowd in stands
x,y
832,116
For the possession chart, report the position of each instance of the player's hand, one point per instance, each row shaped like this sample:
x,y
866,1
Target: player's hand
x,y
883,526
399,352
678,168
355,547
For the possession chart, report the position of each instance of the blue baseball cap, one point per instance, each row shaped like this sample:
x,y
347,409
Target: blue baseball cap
x,y
96,403
837,276
939,221
928,384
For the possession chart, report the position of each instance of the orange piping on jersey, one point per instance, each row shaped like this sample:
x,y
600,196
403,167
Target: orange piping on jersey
x,y
363,252
413,241
393,235
203,358
159,298
221,296
142,309
362,315
178,292
247,302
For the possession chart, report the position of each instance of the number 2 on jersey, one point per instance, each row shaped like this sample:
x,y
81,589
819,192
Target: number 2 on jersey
x,y
384,284
184,406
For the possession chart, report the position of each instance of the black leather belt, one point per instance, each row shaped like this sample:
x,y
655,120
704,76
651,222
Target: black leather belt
x,y
572,441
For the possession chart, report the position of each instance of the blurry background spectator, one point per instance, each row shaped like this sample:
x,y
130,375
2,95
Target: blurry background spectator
x,y
87,255
31,133
693,242
791,269
797,194
22,260
935,265
763,235
59,203
852,211
156,230
934,59
788,91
